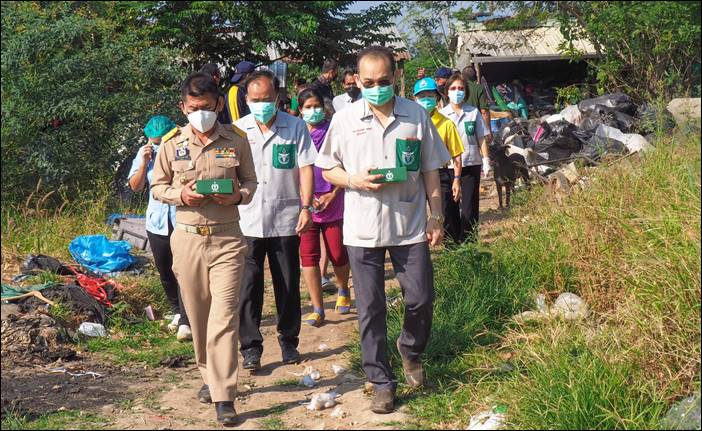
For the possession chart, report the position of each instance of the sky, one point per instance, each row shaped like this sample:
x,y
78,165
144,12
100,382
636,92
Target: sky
x,y
362,5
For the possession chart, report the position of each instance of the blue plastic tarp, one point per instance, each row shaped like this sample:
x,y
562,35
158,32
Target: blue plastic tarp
x,y
100,255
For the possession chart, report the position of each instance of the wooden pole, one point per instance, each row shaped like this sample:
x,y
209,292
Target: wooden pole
x,y
477,72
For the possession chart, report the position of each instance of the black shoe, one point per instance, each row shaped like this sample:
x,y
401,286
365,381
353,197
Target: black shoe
x,y
203,395
252,359
290,354
226,415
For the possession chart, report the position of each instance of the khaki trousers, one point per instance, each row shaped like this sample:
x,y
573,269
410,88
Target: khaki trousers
x,y
209,270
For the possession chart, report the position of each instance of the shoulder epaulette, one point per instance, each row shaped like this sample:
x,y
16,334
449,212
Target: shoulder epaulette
x,y
238,131
173,132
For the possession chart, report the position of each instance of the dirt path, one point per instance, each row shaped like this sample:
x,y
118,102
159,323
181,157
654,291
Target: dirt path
x,y
270,399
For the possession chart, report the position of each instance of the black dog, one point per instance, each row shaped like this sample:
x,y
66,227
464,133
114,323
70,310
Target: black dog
x,y
506,170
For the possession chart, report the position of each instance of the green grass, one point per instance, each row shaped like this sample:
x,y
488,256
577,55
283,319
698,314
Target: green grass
x,y
629,244
272,423
272,419
143,342
286,382
70,419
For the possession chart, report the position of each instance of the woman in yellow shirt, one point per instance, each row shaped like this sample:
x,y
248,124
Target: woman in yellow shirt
x,y
426,93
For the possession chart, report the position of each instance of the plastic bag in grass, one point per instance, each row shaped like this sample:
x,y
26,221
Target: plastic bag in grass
x,y
100,255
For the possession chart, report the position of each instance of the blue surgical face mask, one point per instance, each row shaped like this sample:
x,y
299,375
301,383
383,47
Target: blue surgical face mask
x,y
313,115
456,96
262,111
378,95
428,103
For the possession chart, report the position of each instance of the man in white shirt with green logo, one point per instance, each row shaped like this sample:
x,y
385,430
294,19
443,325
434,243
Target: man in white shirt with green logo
x,y
385,131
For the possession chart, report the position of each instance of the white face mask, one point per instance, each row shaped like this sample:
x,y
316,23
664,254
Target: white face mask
x,y
202,120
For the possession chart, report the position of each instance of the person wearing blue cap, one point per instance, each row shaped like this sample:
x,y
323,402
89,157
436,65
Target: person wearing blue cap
x,y
426,93
235,106
441,75
160,219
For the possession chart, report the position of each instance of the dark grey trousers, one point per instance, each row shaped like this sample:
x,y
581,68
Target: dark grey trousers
x,y
414,271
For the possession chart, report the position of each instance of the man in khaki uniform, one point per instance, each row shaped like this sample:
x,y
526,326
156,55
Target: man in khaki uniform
x,y
208,246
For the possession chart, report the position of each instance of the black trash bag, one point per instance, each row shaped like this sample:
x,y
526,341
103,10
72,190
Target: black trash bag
x,y
599,145
617,101
601,114
559,140
516,127
649,118
83,306
40,262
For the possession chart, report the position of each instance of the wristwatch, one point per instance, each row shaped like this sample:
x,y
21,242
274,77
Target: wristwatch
x,y
307,207
438,217
456,177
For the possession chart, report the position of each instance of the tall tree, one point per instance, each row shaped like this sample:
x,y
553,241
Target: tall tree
x,y
231,31
432,26
77,89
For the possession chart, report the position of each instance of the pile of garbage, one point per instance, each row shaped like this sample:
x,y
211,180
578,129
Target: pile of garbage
x,y
40,322
33,338
609,124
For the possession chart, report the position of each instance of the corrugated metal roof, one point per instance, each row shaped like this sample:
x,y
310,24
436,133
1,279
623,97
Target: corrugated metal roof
x,y
517,45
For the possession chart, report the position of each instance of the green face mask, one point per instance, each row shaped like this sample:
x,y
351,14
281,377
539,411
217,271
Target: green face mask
x,y
313,115
378,95
428,103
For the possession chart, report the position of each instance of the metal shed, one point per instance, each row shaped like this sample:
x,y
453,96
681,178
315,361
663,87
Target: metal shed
x,y
478,45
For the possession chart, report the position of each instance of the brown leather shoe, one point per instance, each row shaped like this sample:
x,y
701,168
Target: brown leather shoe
x,y
383,400
414,371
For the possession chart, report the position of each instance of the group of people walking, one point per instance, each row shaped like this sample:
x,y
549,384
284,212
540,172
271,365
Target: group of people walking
x,y
305,191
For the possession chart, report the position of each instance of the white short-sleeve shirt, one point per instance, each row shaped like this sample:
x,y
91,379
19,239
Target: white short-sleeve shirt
x,y
471,155
395,215
341,101
275,207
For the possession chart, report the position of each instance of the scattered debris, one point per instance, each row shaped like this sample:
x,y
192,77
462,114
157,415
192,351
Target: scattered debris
x,y
570,306
149,313
308,381
684,415
338,413
338,370
323,347
312,372
34,337
310,376
541,306
685,111
79,374
100,255
491,419
92,329
322,401
176,361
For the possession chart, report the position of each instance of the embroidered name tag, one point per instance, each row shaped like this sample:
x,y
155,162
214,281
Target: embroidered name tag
x,y
361,131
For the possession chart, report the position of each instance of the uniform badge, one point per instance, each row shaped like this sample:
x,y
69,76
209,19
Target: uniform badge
x,y
182,153
407,157
283,158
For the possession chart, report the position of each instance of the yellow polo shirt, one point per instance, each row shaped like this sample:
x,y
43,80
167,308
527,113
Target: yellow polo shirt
x,y
448,133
